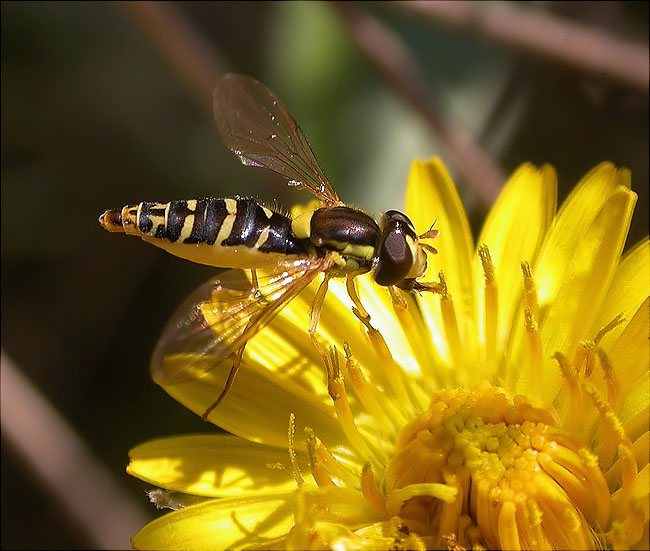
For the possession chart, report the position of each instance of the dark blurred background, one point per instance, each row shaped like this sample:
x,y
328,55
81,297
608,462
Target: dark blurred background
x,y
105,104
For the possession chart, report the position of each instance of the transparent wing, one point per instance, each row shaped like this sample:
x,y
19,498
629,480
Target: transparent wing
x,y
255,126
220,316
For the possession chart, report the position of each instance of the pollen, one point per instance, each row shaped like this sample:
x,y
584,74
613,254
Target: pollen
x,y
478,468
479,462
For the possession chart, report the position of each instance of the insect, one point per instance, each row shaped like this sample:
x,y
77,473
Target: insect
x,y
335,240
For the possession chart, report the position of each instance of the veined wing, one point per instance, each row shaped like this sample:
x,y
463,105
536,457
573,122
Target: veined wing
x,y
221,315
255,126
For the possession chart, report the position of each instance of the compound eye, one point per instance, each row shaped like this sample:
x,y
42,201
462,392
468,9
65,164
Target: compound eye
x,y
395,218
394,259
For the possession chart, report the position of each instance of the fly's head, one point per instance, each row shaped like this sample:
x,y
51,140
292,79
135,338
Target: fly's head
x,y
401,257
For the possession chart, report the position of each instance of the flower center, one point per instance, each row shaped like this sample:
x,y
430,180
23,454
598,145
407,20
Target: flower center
x,y
520,480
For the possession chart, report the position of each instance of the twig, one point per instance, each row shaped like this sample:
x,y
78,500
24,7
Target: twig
x,y
182,45
543,35
393,62
66,466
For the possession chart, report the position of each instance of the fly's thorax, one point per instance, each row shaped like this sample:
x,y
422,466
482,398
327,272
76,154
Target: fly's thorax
x,y
350,233
399,255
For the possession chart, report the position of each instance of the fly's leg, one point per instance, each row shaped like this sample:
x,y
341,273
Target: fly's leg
x,y
236,363
254,281
316,309
358,310
231,377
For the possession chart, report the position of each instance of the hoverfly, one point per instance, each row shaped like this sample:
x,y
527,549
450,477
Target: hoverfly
x,y
240,233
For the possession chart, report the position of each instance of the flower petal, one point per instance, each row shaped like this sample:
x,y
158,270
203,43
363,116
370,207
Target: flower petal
x,y
630,358
587,276
214,465
576,215
628,290
258,405
430,195
513,232
233,523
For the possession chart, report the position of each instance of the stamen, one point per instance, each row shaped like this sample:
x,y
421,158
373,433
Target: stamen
x,y
576,488
370,491
618,319
640,450
628,476
399,497
507,527
295,470
575,396
318,471
583,360
482,512
397,299
534,515
450,324
491,302
416,332
576,526
335,469
370,397
336,388
539,415
530,290
411,429
583,465
554,506
613,384
535,345
598,485
450,513
394,373
615,433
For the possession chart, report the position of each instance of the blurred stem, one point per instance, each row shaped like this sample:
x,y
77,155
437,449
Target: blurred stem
x,y
182,45
59,458
389,56
543,35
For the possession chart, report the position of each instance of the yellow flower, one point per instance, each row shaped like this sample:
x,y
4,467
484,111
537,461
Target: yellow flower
x,y
509,410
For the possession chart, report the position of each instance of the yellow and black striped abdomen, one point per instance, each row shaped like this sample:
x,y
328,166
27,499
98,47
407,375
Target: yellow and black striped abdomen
x,y
230,233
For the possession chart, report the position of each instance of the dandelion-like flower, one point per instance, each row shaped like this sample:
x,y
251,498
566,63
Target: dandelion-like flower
x,y
508,410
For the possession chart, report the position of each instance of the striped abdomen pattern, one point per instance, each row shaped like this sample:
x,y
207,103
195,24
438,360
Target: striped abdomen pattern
x,y
228,222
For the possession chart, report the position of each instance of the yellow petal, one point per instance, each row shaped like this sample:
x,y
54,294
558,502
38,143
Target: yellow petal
x,y
214,465
431,195
630,358
575,216
629,288
585,278
513,232
258,405
233,523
